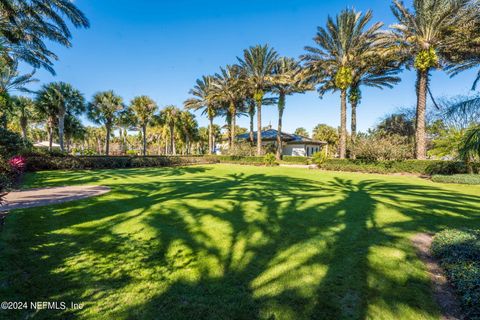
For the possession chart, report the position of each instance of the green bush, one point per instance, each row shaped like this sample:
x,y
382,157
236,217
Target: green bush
x,y
269,159
11,143
237,159
296,159
319,158
458,252
428,167
7,176
458,178
39,163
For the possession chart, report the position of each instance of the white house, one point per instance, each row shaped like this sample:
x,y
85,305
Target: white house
x,y
293,144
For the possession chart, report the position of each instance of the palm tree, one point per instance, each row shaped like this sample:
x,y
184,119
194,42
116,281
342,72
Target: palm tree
x,y
104,109
258,64
228,88
189,129
11,80
470,145
420,39
64,99
26,24
125,121
340,46
203,98
143,108
24,109
377,72
74,130
287,81
170,117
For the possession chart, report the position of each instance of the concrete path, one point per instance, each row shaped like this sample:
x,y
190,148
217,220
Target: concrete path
x,y
47,196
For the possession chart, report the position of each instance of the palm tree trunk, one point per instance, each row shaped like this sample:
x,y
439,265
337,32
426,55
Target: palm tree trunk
x,y
144,132
61,130
354,130
210,136
23,125
259,126
281,107
251,112
343,124
172,140
420,135
107,142
233,111
50,135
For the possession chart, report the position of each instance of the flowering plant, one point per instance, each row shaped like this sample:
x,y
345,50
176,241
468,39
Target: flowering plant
x,y
18,163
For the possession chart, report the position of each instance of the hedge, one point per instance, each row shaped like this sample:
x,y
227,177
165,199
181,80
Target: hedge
x,y
427,167
458,252
238,159
458,178
38,163
296,159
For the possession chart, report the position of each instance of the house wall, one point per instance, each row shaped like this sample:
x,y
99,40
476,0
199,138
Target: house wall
x,y
301,150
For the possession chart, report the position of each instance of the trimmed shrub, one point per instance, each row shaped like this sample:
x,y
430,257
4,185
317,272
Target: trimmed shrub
x,y
319,158
296,159
427,167
269,159
39,163
458,252
458,178
238,159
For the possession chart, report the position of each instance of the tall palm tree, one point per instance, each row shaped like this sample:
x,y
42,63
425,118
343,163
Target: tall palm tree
x,y
189,129
104,109
420,39
203,98
11,80
258,63
65,100
340,46
74,130
125,121
24,108
170,117
287,81
143,108
228,88
375,71
26,24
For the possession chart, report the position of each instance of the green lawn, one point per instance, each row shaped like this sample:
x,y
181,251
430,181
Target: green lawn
x,y
231,242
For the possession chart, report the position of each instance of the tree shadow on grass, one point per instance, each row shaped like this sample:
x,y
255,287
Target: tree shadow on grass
x,y
235,247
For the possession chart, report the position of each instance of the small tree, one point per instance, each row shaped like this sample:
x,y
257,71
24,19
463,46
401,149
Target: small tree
x,y
143,108
104,109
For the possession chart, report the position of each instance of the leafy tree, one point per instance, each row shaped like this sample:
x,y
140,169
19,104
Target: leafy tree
x,y
470,145
258,63
10,79
143,108
341,46
286,81
324,132
104,109
203,99
170,116
301,132
24,109
62,99
26,24
420,39
228,88
398,124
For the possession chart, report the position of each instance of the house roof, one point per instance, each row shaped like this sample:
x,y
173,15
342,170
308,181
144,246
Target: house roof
x,y
271,135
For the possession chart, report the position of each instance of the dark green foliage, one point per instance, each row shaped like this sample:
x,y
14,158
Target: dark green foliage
x,y
238,159
11,143
42,162
7,176
428,167
459,255
458,178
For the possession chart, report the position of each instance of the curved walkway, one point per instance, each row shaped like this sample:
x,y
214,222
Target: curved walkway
x,y
47,196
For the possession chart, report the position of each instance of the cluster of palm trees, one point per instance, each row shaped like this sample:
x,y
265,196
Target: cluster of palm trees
x,y
349,52
58,105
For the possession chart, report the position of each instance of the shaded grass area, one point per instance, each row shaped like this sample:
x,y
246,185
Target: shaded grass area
x,y
230,242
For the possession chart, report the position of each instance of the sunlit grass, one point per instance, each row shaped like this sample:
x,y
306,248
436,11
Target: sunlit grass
x,y
225,241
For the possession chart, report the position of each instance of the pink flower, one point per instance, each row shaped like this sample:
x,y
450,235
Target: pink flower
x,y
17,163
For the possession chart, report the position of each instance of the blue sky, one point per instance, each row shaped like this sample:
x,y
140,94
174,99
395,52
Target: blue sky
x,y
159,48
